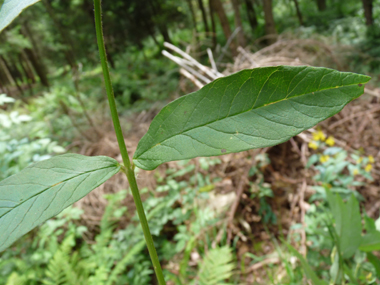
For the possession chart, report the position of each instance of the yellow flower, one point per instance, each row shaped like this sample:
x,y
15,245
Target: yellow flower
x,y
368,167
313,145
371,159
324,158
359,160
369,276
330,141
319,136
355,172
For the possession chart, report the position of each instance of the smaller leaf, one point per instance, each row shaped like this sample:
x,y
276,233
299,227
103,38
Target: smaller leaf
x,y
347,222
370,242
11,9
44,189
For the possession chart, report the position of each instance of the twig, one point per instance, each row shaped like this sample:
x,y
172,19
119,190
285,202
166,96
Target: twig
x,y
239,192
303,211
376,108
260,264
203,68
213,64
187,74
180,62
246,55
374,92
371,212
224,49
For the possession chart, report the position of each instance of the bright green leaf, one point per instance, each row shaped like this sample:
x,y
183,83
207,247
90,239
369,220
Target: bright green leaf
x,y
44,189
350,232
347,220
11,9
348,223
370,242
249,109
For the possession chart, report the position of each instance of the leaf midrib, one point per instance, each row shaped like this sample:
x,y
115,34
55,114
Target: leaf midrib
x,y
50,187
184,131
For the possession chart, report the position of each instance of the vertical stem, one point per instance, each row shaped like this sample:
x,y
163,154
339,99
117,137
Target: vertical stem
x,y
128,169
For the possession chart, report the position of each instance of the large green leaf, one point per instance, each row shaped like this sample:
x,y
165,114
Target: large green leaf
x,y
249,109
11,9
44,189
348,224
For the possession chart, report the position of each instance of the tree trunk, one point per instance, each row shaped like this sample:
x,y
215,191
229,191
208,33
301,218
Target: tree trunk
x,y
165,33
270,27
217,7
204,15
321,5
251,13
368,8
148,27
35,53
28,66
6,71
156,10
69,52
238,23
190,4
213,26
299,15
13,74
28,76
37,67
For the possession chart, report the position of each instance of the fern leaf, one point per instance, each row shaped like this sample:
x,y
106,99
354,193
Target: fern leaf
x,y
216,267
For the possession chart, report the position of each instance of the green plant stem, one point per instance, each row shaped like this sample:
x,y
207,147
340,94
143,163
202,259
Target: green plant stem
x,y
128,169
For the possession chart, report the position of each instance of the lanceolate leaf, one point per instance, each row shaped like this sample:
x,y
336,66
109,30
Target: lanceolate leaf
x,y
44,189
249,109
11,9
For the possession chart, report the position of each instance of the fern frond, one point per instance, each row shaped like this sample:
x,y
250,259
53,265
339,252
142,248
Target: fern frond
x,y
216,267
60,270
121,265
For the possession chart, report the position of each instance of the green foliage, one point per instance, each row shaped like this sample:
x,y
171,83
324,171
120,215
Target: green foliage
x,y
336,169
57,253
216,267
250,109
11,9
338,229
23,139
308,270
151,80
46,188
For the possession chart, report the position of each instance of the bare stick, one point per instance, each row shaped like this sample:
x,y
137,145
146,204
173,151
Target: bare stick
x,y
205,69
187,74
180,62
211,57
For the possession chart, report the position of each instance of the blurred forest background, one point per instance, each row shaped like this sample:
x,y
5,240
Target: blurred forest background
x,y
257,217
